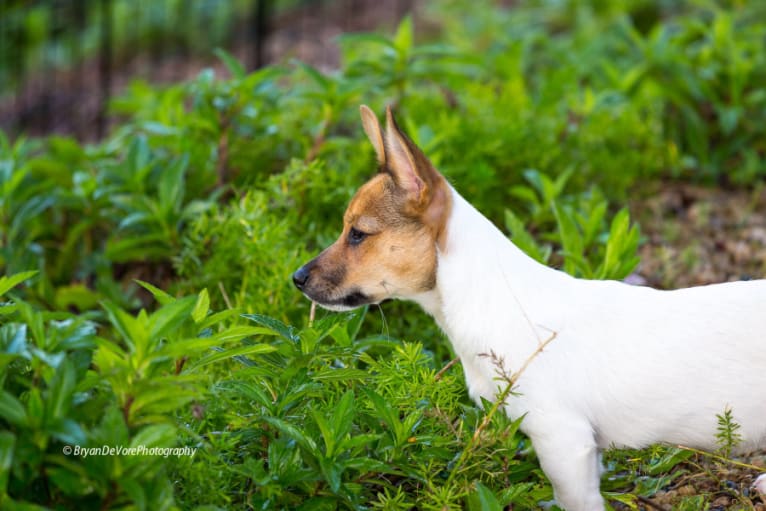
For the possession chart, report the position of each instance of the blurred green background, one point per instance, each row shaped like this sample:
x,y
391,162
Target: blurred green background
x,y
165,166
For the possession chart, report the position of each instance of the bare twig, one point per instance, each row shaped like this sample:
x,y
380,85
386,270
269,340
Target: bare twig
x,y
318,140
312,313
224,294
446,368
720,458
222,165
651,503
540,348
502,396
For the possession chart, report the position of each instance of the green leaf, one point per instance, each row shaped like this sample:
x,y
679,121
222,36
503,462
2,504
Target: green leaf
x,y
482,499
385,412
8,282
287,332
13,338
327,432
251,391
404,37
201,307
332,472
236,69
76,295
132,331
303,440
522,239
358,440
315,75
217,318
162,395
571,240
35,415
254,349
67,431
355,323
7,446
171,187
620,257
156,435
12,410
340,374
60,390
149,247
343,416
669,460
134,489
168,318
196,345
355,39
161,296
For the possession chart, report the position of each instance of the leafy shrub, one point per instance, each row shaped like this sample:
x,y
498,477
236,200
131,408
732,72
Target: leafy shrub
x,y
709,72
66,391
330,420
216,190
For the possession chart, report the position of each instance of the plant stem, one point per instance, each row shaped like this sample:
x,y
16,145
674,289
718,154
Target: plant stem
x,y
500,401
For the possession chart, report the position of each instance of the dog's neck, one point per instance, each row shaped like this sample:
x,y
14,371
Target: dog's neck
x,y
481,275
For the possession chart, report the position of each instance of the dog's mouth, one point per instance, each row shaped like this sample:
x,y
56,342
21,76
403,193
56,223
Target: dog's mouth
x,y
349,301
324,289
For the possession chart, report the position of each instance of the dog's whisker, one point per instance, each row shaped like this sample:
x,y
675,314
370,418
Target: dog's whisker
x,y
384,327
312,312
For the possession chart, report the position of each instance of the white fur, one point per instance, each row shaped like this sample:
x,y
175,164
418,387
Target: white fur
x,y
629,366
759,485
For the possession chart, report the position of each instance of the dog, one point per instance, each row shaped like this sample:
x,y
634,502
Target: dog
x,y
615,366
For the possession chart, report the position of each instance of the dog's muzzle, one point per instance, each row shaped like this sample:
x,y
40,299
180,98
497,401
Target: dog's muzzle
x,y
317,289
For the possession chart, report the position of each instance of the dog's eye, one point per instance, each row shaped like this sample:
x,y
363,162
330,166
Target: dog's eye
x,y
355,236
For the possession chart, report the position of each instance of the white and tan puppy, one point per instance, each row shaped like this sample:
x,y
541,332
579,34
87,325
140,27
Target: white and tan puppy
x,y
628,367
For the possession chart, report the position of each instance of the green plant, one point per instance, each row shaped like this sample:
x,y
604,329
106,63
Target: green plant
x,y
707,70
727,435
578,226
68,392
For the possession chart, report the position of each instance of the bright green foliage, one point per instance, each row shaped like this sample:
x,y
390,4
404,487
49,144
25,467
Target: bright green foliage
x,y
147,296
63,387
709,71
727,435
336,420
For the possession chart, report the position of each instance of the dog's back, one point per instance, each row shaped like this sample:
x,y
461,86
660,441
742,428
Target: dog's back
x,y
649,366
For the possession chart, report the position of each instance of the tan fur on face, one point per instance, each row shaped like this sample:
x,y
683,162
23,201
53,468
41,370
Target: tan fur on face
x,y
403,211
399,253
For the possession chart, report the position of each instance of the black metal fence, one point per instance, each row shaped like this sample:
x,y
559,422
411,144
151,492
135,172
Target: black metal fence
x,y
62,60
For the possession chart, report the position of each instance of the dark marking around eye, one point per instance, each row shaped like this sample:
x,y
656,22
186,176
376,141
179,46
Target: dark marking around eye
x,y
355,236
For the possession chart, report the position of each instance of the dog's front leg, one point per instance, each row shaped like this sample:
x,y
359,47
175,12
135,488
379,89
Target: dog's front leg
x,y
569,457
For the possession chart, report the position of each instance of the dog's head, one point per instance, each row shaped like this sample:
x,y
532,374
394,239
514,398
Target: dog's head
x,y
391,229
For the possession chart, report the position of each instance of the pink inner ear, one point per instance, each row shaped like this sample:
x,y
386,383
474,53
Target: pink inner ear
x,y
402,165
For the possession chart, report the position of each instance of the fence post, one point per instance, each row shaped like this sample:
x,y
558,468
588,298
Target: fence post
x,y
259,26
105,65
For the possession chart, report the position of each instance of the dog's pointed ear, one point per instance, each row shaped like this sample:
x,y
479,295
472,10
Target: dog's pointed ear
x,y
372,129
402,162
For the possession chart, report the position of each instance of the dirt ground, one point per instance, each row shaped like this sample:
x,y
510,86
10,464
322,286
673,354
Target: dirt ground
x,y
695,235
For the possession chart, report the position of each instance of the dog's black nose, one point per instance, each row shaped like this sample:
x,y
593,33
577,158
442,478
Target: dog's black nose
x,y
300,277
